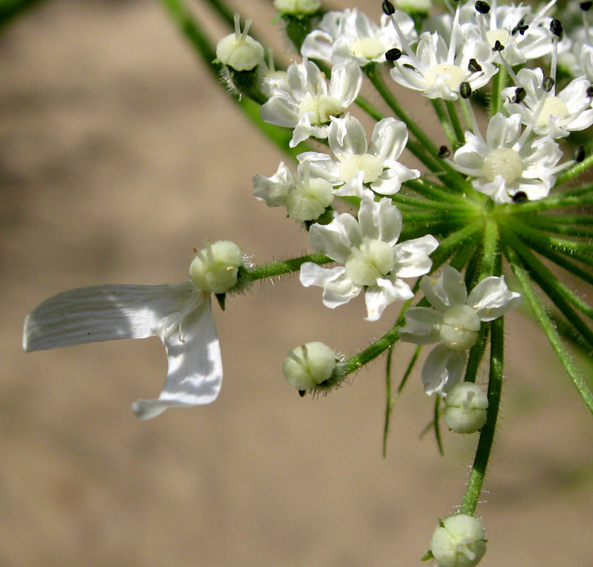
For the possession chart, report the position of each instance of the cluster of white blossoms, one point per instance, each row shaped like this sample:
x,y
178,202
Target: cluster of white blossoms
x,y
399,224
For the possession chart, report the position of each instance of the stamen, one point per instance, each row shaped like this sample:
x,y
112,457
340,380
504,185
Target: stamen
x,y
520,197
578,154
465,90
474,66
393,54
444,152
520,94
482,7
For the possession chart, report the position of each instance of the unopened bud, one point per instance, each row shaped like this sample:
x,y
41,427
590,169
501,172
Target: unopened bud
x,y
215,268
466,408
238,50
297,7
458,542
309,365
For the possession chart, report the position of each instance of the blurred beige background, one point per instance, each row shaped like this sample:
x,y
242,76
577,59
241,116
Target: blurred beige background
x,y
118,154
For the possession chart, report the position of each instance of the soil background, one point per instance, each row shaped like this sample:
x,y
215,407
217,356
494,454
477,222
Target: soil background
x,y
118,155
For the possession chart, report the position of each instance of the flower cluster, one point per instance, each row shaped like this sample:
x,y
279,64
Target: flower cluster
x,y
486,199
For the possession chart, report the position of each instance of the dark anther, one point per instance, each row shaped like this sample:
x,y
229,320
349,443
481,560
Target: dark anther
x,y
590,92
521,27
556,28
393,54
482,7
578,154
520,197
465,90
444,152
474,66
497,46
302,393
520,94
585,6
549,84
388,8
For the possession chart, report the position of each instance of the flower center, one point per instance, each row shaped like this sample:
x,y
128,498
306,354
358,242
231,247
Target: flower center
x,y
370,165
553,106
320,108
505,162
372,260
450,75
308,200
367,47
502,36
460,326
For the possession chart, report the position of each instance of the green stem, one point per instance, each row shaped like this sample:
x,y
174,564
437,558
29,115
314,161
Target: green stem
x,y
445,121
274,269
478,472
548,327
437,193
575,170
558,201
454,116
498,83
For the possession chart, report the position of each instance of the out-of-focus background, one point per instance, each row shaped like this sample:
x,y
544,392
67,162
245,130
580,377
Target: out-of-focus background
x,y
118,155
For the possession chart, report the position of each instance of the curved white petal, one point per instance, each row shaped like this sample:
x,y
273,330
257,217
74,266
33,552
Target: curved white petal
x,y
105,313
443,368
389,138
491,298
194,372
338,288
381,220
337,238
447,290
422,326
384,293
412,256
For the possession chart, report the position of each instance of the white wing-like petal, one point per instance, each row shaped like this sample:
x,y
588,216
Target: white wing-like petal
x,y
195,365
443,368
106,312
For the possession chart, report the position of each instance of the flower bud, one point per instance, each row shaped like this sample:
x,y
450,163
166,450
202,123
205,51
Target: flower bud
x,y
297,7
215,268
465,408
458,542
309,365
238,50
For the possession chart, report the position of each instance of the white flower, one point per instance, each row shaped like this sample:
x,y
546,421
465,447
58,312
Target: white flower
x,y
521,34
437,69
505,164
359,164
454,322
304,197
550,114
372,259
239,50
306,103
351,36
180,315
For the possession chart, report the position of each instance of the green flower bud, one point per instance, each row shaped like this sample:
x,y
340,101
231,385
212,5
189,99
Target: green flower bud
x,y
297,7
465,408
238,50
215,268
309,365
458,542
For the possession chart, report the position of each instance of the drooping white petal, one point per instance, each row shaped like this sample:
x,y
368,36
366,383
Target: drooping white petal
x,y
447,290
347,137
180,315
338,288
389,138
412,256
443,368
491,298
105,313
194,372
336,238
422,326
383,293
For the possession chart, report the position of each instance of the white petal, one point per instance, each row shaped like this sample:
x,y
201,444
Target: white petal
x,y
381,220
443,368
347,137
422,326
337,238
345,82
412,256
194,372
384,293
106,312
338,288
491,298
447,290
389,139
